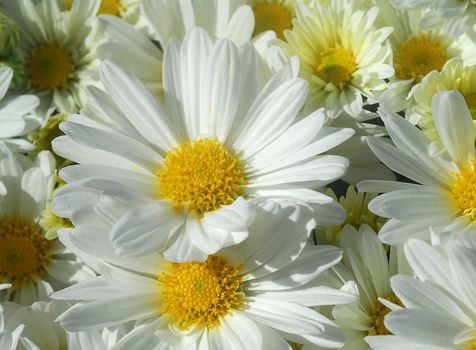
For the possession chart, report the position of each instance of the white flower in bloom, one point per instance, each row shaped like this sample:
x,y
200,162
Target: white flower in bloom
x,y
57,49
444,196
344,57
454,17
453,76
15,114
439,305
188,172
417,52
128,10
29,262
254,295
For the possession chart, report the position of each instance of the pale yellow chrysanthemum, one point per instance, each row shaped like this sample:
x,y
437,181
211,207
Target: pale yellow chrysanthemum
x,y
453,76
343,56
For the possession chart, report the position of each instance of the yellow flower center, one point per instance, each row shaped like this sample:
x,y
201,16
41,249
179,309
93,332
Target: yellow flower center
x,y
335,65
272,16
24,251
49,66
463,190
201,176
379,311
199,293
471,103
419,56
108,7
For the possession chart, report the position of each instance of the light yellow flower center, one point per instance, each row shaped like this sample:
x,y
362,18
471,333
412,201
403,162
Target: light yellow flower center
x,y
199,293
463,190
49,66
379,311
271,15
24,251
471,103
418,56
335,65
201,176
107,7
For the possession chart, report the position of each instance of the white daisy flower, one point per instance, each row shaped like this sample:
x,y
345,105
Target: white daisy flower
x,y
255,295
444,196
344,57
417,52
187,172
16,117
29,262
454,76
275,15
454,17
439,305
57,50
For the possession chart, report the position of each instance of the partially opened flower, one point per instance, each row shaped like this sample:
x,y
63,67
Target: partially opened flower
x,y
454,76
255,295
29,262
187,172
444,196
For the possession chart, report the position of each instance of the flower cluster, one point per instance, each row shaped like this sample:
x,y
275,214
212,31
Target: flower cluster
x,y
237,174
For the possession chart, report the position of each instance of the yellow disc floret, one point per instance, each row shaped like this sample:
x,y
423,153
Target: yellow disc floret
x,y
463,190
201,176
199,293
24,251
109,7
379,311
272,15
49,66
418,56
335,65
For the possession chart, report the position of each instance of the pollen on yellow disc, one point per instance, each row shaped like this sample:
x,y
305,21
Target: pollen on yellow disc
x,y
24,251
335,65
463,190
199,293
418,56
271,15
201,176
379,311
49,66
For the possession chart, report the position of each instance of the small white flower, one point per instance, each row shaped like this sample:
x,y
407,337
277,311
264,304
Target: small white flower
x,y
57,47
29,262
